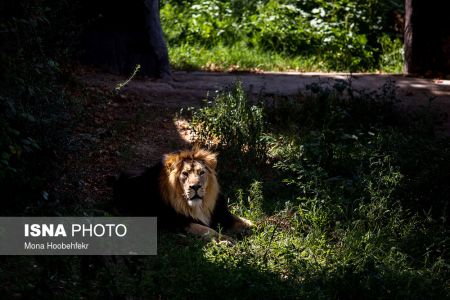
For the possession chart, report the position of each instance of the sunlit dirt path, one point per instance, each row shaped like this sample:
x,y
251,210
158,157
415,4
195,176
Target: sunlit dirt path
x,y
188,88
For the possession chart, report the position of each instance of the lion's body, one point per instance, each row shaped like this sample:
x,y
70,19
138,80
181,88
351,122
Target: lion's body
x,y
182,191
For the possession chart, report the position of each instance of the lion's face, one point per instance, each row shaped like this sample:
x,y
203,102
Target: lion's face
x,y
194,180
191,179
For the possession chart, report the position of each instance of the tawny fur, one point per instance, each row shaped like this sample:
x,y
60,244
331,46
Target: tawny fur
x,y
165,191
172,191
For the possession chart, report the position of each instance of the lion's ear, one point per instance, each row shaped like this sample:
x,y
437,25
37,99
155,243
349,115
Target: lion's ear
x,y
210,160
170,160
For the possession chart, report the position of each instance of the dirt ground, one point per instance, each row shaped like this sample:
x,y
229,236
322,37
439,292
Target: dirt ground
x,y
136,126
188,88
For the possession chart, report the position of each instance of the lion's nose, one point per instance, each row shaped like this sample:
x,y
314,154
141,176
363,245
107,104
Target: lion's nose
x,y
195,187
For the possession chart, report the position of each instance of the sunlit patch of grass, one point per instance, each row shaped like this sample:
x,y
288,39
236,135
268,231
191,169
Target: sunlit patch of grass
x,y
239,58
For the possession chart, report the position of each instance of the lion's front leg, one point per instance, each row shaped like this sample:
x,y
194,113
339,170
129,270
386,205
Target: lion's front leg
x,y
205,232
241,225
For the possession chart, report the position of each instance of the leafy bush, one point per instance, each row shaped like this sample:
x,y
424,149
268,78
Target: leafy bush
x,y
391,59
345,34
231,122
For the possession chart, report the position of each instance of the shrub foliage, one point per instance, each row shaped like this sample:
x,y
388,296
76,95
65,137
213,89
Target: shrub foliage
x,y
342,35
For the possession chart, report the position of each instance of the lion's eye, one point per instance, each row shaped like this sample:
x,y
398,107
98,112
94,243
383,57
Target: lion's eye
x,y
202,172
185,174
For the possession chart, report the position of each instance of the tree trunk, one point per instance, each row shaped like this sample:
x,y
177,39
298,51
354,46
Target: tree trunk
x,y
123,34
427,38
408,38
156,38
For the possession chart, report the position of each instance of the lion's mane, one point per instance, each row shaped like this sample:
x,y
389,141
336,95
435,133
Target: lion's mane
x,y
170,187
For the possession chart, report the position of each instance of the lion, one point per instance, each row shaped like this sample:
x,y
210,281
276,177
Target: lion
x,y
183,192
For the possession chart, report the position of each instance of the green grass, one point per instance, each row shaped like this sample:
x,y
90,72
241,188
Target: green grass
x,y
348,195
343,194
239,58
